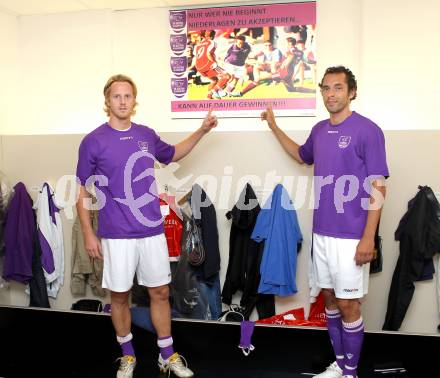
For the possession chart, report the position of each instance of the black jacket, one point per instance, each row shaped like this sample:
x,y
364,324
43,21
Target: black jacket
x,y
245,258
205,215
419,236
37,285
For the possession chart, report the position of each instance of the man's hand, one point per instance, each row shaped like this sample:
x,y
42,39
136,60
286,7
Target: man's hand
x,y
93,245
209,122
268,116
364,251
184,147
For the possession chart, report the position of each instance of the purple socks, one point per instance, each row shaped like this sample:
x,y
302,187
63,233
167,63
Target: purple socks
x,y
334,326
352,338
247,329
126,345
166,346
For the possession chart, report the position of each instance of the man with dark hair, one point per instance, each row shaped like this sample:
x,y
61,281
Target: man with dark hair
x,y
348,153
235,61
118,159
349,77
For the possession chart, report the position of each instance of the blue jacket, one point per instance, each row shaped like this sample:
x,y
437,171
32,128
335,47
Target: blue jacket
x,y
277,224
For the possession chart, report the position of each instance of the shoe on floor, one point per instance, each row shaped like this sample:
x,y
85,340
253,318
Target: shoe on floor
x,y
126,367
176,365
332,371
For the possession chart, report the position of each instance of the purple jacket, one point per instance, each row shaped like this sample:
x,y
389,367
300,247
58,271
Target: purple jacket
x,y
20,233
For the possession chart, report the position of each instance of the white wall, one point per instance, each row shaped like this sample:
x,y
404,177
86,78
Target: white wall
x,y
8,65
63,61
59,64
400,61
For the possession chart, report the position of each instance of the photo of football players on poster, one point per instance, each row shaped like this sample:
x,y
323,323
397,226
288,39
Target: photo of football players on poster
x,y
228,68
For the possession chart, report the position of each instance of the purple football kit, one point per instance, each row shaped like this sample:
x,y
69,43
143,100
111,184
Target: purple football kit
x,y
122,162
237,55
344,155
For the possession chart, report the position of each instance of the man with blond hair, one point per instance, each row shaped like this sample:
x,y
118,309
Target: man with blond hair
x,y
118,159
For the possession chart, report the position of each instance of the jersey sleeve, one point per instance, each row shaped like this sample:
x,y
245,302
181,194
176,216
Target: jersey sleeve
x,y
306,150
373,152
164,151
86,161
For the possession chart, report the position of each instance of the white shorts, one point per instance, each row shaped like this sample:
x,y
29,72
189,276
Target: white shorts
x,y
237,71
335,267
147,257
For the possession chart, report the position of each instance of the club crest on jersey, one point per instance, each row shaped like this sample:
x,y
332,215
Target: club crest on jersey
x,y
143,146
344,141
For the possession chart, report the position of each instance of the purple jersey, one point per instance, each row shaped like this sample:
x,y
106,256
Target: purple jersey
x,y
236,55
125,162
344,155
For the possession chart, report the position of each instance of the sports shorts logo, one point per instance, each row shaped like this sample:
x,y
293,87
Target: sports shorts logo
x,y
344,141
143,146
350,290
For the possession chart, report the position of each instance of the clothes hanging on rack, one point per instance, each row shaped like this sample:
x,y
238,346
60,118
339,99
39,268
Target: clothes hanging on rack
x,y
204,213
419,236
173,231
188,298
37,285
22,248
277,225
50,235
245,255
20,233
85,269
198,210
